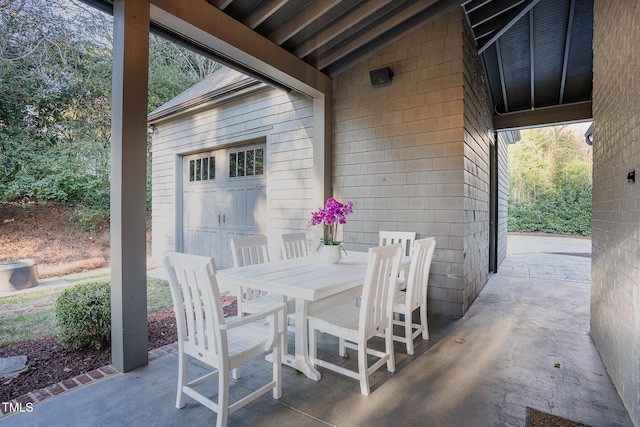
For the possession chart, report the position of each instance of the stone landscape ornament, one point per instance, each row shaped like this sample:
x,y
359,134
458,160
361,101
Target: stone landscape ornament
x,y
19,274
11,367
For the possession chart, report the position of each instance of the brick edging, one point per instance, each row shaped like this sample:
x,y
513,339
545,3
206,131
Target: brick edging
x,y
37,396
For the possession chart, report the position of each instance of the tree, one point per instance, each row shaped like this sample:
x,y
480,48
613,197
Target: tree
x,y
55,110
172,69
53,130
550,182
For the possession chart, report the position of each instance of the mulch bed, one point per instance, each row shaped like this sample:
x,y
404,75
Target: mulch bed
x,y
537,418
49,363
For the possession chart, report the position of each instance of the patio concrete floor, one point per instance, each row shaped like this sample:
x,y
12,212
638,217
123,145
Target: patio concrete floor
x,y
526,344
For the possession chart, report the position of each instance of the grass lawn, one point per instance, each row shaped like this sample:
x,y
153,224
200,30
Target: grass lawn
x,y
31,316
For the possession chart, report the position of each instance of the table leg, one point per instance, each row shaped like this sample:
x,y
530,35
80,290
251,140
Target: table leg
x,y
300,360
302,342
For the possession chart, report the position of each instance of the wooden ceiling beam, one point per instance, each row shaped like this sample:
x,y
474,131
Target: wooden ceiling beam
x,y
307,16
220,4
503,86
491,11
504,22
360,12
472,5
547,116
532,62
207,26
261,13
372,33
567,45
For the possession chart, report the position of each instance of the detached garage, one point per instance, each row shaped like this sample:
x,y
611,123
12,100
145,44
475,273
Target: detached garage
x,y
231,156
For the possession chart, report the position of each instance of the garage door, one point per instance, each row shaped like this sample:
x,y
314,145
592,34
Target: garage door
x,y
224,195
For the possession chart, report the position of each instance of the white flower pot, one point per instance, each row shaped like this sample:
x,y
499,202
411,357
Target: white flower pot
x,y
330,254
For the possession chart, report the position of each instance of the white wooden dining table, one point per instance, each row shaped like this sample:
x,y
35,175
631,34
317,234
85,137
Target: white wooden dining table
x,y
311,283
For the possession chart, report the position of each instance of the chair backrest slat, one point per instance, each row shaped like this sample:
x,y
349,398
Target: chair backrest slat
x,y
406,238
418,277
249,250
197,303
294,245
379,288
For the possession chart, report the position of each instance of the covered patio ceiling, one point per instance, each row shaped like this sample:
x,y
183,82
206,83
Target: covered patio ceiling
x,y
537,53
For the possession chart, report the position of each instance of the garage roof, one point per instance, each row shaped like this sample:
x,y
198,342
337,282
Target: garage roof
x,y
221,83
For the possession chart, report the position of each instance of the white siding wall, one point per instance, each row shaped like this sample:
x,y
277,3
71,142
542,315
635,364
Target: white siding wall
x,y
402,154
615,287
284,119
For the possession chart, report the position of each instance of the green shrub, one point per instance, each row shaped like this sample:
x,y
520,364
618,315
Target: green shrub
x,y
89,217
550,183
83,315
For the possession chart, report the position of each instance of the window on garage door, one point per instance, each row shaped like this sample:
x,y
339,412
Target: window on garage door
x,y
224,196
248,162
202,168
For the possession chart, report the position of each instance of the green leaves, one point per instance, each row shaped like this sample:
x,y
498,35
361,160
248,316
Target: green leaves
x,y
55,101
550,182
83,315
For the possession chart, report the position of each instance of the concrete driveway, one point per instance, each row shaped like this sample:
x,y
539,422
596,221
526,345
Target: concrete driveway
x,y
530,243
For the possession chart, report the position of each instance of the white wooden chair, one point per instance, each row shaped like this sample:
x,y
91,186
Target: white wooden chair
x,y
406,238
405,303
294,245
250,251
222,344
357,325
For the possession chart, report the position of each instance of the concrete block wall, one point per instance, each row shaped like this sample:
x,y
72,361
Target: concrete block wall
x,y
615,288
403,154
283,119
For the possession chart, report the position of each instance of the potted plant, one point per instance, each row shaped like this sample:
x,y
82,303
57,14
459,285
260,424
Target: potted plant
x,y
333,214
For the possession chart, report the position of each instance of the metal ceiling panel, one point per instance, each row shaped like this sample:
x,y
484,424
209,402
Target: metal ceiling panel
x,y
543,60
579,81
548,20
514,48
